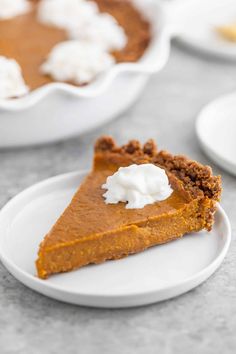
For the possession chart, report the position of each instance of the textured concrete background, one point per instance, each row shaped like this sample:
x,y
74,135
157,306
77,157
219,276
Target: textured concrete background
x,y
201,321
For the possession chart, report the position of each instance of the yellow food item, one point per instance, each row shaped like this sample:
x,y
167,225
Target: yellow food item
x,y
227,32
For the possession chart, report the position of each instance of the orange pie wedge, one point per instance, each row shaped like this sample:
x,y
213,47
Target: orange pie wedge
x,y
91,231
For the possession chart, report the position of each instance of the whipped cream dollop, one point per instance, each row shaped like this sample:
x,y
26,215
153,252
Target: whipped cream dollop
x,y
138,185
12,8
65,13
77,61
101,29
83,21
11,80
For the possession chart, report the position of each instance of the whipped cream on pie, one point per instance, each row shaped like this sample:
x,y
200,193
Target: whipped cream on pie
x,y
93,35
12,8
83,21
11,80
101,29
65,13
77,61
139,185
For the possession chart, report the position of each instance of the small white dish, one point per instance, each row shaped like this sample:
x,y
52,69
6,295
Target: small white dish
x,y
157,274
58,110
216,128
199,21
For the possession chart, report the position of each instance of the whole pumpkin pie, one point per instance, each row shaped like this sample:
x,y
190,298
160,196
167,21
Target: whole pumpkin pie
x,y
28,41
91,231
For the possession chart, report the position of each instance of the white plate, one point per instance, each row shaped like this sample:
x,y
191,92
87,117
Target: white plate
x,y
159,273
216,127
196,20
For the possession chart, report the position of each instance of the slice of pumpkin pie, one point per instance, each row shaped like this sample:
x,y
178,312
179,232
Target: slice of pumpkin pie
x,y
135,197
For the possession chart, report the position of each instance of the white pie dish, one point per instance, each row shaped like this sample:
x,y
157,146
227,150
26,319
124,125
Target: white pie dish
x,y
58,110
215,129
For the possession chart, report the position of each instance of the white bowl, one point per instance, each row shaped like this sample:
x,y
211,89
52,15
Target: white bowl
x,y
58,111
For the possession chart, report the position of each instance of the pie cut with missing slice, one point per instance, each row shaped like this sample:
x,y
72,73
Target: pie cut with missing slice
x,y
91,231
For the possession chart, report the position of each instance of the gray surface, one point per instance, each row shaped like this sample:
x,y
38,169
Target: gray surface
x,y
203,320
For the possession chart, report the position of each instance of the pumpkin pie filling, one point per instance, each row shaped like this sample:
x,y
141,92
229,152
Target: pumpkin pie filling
x,y
91,231
29,42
